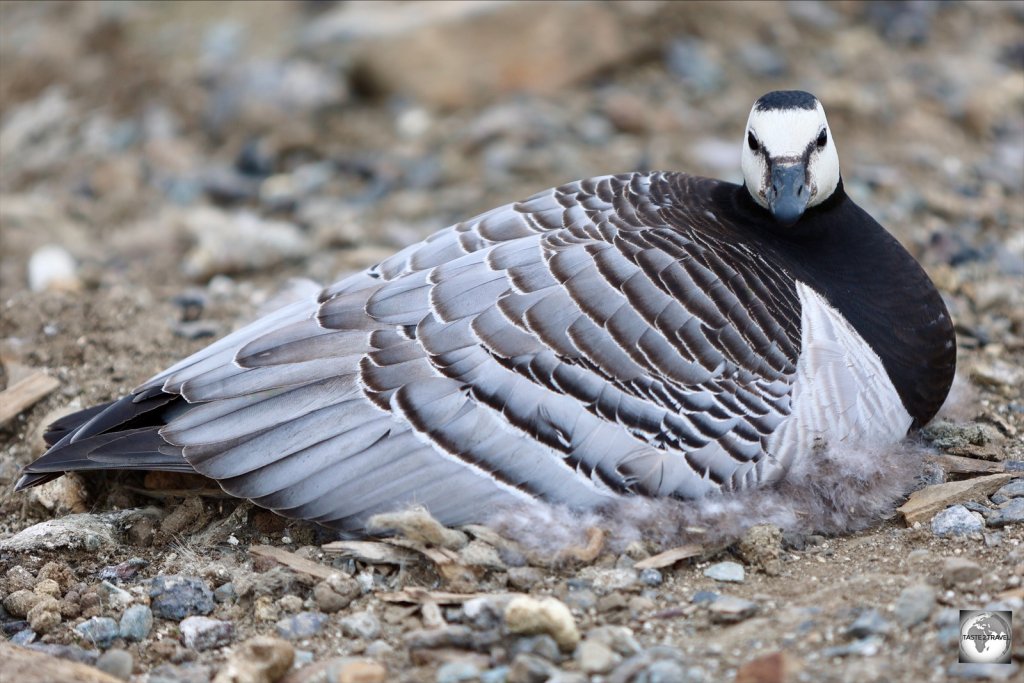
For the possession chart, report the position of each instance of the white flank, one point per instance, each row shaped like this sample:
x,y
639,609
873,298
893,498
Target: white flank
x,y
842,396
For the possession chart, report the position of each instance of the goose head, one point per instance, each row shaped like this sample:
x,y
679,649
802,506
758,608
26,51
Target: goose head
x,y
789,159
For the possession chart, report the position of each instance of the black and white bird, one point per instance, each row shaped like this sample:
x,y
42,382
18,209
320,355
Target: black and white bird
x,y
643,334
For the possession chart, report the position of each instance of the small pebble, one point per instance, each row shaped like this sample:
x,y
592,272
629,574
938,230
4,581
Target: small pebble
x,y
225,593
363,625
116,662
204,633
659,664
378,649
355,670
542,646
869,623
957,571
23,637
619,638
530,669
914,604
458,670
336,592
956,520
1015,489
262,659
1012,513
175,597
496,675
703,596
99,631
651,577
302,625
726,571
136,623
595,658
52,268
729,609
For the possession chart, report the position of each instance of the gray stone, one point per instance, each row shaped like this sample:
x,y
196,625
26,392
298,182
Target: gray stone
x,y
1015,489
651,577
958,570
956,520
1011,513
136,623
23,637
729,609
100,631
542,646
869,623
204,633
225,593
619,638
176,597
495,675
594,657
378,649
726,571
581,599
73,532
302,625
363,625
530,669
458,670
118,663
703,596
914,604
659,664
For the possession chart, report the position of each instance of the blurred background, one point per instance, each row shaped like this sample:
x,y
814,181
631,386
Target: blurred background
x,y
165,166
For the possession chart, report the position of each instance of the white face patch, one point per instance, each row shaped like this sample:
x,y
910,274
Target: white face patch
x,y
787,136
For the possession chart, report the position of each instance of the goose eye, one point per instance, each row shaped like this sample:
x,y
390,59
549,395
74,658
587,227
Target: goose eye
x,y
752,141
822,138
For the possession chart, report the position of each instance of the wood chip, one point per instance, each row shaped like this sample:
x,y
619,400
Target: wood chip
x,y
439,556
24,394
297,564
957,464
374,552
670,557
924,504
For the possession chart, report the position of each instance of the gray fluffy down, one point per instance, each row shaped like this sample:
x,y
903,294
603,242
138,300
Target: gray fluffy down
x,y
837,491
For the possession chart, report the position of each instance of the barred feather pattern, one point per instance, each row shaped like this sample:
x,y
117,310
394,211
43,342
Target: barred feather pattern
x,y
608,337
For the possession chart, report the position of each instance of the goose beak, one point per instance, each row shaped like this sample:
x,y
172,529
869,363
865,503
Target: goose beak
x,y
789,193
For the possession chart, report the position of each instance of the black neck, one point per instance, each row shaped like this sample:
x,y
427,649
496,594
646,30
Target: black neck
x,y
841,252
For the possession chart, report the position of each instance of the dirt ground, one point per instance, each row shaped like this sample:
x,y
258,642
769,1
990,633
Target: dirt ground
x,y
138,138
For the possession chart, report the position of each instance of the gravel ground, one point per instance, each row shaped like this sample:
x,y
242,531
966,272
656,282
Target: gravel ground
x,y
166,168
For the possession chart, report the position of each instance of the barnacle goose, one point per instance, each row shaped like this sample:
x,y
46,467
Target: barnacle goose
x,y
643,334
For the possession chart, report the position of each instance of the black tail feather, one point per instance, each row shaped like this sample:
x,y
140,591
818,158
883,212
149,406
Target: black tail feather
x,y
122,435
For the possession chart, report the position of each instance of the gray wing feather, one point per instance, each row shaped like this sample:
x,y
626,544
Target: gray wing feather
x,y
585,343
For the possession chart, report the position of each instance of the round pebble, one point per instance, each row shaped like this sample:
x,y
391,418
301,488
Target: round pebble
x,y
116,662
